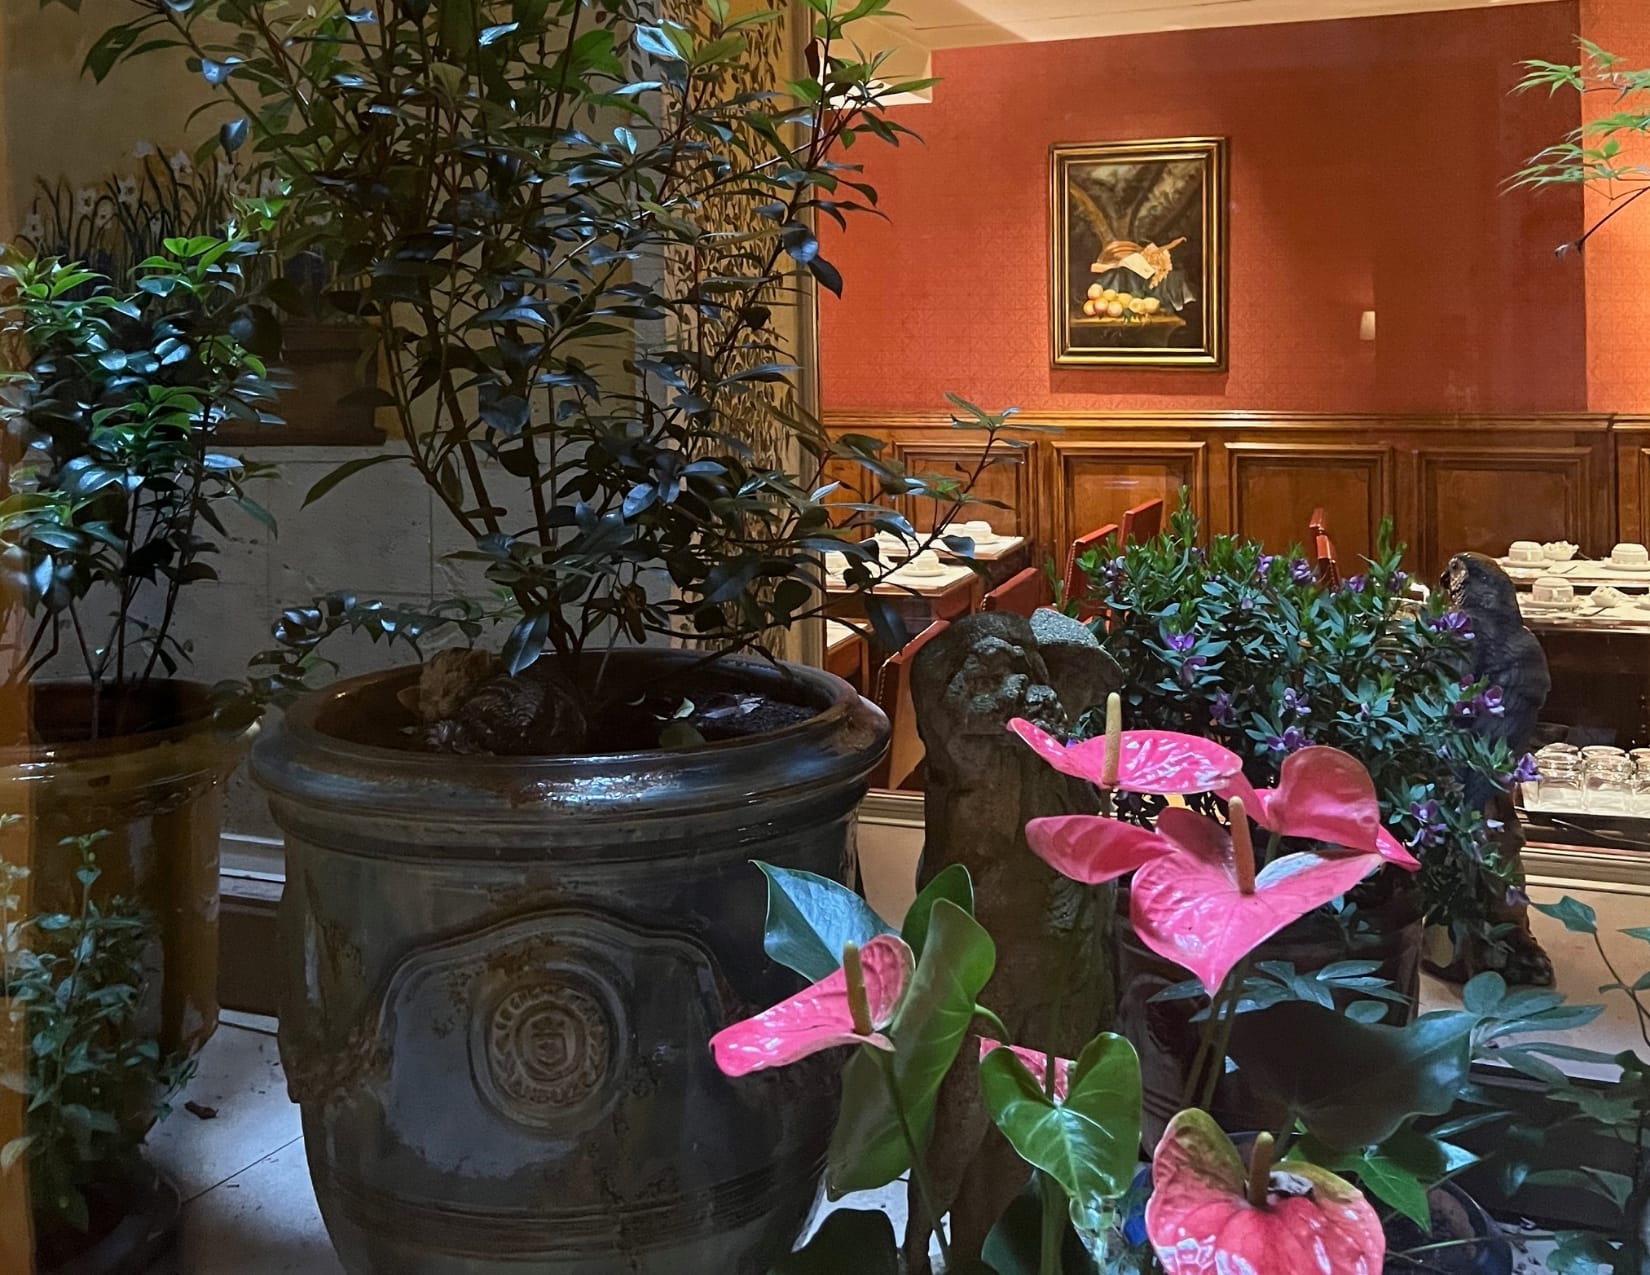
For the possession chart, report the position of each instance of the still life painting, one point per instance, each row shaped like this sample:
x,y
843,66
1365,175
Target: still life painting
x,y
1139,254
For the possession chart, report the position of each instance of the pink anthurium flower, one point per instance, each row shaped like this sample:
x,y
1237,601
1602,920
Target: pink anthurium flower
x,y
825,1015
1204,906
1323,795
1093,850
1149,761
1207,1214
1036,1063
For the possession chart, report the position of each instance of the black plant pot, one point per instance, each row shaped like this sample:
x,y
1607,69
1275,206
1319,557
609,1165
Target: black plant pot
x,y
134,1220
1456,1216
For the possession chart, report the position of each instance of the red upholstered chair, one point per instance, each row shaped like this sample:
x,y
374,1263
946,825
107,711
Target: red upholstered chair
x,y
905,750
1076,585
1143,522
1328,572
1020,594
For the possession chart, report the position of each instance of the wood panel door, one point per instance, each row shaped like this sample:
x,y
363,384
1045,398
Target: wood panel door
x,y
1093,483
1482,500
1275,488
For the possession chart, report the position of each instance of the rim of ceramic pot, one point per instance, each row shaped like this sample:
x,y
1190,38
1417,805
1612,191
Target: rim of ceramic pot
x,y
190,704
839,745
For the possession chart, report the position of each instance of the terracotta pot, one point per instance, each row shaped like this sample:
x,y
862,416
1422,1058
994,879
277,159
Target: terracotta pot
x,y
500,975
1167,1039
157,790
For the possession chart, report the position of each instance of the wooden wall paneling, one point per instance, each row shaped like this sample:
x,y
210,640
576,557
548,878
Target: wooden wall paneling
x,y
1010,478
1275,487
1092,481
1484,498
1632,458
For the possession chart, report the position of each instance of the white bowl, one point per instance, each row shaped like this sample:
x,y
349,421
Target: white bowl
x,y
1559,550
1630,555
1526,551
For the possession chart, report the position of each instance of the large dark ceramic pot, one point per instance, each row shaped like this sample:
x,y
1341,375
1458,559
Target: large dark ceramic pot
x,y
500,975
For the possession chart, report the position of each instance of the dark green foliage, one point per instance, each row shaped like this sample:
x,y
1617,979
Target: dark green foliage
x,y
1251,650
71,995
576,230
113,487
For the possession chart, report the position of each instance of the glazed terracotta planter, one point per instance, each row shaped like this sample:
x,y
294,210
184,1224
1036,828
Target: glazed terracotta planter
x,y
156,788
500,975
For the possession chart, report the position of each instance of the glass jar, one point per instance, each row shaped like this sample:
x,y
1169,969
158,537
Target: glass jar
x,y
1559,788
1609,784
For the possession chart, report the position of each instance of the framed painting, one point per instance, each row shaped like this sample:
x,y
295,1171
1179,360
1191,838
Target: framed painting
x,y
1139,254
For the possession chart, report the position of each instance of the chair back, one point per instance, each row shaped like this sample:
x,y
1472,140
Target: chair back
x,y
905,749
1143,522
1020,594
1075,586
1328,572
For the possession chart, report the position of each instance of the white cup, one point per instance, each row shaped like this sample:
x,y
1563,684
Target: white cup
x,y
926,563
1552,590
1526,551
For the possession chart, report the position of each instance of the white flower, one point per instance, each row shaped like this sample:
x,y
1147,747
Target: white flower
x,y
85,199
128,191
143,150
105,213
34,230
181,167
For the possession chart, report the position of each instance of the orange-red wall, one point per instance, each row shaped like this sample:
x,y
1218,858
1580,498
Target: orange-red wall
x,y
1618,256
1367,163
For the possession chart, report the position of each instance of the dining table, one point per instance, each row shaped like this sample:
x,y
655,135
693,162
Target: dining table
x,y
917,597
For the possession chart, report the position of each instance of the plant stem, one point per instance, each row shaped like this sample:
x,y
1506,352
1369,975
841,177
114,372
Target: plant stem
x,y
1223,1031
919,1164
1054,1225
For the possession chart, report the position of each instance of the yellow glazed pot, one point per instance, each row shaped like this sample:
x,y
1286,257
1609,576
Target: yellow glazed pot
x,y
154,783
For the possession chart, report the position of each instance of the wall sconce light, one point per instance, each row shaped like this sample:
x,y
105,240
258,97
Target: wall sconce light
x,y
1366,326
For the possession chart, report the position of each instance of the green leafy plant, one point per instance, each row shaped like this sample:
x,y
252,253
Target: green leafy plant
x,y
71,999
1253,651
576,231
122,391
1603,153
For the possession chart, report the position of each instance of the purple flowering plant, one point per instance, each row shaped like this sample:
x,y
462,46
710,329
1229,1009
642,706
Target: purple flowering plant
x,y
1243,646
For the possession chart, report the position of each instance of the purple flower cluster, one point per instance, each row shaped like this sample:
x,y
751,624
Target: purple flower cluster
x,y
1356,584
1220,711
1300,571
1190,669
1428,814
1291,741
1182,642
1527,772
1263,568
1295,703
1457,622
1487,703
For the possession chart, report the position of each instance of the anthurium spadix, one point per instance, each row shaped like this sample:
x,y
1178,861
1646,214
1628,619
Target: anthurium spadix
x,y
852,1005
1209,1215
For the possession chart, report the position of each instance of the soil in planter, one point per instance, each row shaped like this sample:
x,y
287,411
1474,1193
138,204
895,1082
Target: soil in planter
x,y
463,704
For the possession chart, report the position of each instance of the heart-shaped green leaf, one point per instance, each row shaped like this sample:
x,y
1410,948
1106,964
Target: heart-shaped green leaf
x,y
1090,1143
1352,1084
859,1240
868,1149
952,883
811,918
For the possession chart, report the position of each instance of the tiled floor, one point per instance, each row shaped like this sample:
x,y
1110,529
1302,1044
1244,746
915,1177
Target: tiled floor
x,y
249,1209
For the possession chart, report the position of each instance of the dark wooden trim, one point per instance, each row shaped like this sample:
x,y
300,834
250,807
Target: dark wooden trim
x,y
248,979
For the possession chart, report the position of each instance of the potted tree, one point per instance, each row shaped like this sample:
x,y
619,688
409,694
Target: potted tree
x,y
110,491
517,895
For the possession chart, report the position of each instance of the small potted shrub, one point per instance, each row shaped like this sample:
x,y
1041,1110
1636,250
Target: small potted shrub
x,y
518,893
111,491
79,1049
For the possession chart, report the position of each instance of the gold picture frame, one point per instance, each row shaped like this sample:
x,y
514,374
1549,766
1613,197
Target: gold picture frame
x,y
1139,254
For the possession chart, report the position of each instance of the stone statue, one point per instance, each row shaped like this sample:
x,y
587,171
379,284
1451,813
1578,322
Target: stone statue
x,y
983,785
1506,655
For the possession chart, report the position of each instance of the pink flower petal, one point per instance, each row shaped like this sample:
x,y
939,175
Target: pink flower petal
x,y
1093,850
1200,1221
1188,907
1152,761
819,1017
1323,795
1036,1063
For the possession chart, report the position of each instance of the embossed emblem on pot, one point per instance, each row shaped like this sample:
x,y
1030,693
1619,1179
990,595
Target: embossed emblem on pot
x,y
546,1047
